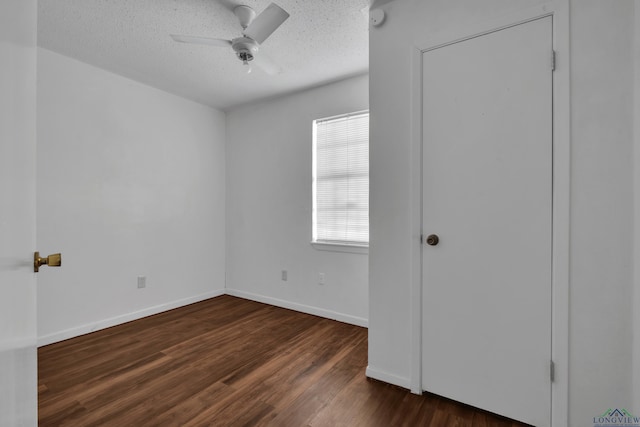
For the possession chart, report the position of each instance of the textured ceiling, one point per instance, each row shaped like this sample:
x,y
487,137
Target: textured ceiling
x,y
322,41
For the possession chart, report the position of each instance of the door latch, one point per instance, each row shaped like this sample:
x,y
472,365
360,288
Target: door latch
x,y
53,260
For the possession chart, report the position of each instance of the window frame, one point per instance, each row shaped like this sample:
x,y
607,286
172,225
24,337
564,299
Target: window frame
x,y
334,246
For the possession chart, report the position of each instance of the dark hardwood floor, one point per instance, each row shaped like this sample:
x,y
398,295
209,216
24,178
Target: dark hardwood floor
x,y
229,361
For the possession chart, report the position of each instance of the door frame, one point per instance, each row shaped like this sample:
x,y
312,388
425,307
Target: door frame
x,y
561,122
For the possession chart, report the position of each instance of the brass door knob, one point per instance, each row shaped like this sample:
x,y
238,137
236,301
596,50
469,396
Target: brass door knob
x,y
433,239
53,260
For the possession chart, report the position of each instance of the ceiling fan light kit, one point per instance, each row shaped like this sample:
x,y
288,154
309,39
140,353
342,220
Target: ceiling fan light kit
x,y
255,30
245,48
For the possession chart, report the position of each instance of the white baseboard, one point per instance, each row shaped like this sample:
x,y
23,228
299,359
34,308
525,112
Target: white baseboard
x,y
329,314
124,318
388,378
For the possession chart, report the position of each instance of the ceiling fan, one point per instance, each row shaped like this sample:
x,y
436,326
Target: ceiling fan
x,y
255,30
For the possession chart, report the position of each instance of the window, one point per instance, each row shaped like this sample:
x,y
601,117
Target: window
x,y
341,180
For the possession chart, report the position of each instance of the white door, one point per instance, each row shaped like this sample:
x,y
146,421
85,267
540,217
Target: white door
x,y
487,192
18,366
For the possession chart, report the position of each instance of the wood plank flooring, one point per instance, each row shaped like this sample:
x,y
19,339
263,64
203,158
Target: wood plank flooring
x,y
230,362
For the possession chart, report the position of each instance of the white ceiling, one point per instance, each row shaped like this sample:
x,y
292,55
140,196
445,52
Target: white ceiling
x,y
322,41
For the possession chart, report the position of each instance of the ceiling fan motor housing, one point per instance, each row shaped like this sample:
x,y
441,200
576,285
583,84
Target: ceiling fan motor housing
x,y
244,48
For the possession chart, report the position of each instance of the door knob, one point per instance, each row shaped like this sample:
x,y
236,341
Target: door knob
x,y
53,260
433,239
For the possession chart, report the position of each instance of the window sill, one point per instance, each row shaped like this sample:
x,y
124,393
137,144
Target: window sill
x,y
341,247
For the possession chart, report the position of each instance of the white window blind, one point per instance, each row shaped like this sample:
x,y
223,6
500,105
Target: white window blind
x,y
341,179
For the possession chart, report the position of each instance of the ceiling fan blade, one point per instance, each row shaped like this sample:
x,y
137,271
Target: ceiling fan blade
x,y
266,23
266,64
201,40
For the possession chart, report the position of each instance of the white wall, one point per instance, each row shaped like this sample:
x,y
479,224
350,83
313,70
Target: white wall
x,y
601,188
601,208
269,206
131,182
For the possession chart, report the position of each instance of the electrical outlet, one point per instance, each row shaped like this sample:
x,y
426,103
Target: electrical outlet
x,y
284,275
142,282
320,278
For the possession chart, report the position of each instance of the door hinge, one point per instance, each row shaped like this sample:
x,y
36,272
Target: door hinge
x,y
552,370
553,60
